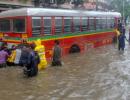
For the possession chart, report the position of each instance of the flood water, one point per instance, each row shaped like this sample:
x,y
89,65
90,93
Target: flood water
x,y
99,74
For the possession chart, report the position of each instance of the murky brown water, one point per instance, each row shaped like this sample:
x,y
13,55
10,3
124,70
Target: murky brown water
x,y
100,74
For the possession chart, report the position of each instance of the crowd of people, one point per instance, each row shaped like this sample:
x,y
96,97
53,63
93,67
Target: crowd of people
x,y
29,56
32,56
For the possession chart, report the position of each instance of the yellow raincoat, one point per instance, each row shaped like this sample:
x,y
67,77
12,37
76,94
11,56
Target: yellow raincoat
x,y
117,34
12,56
41,52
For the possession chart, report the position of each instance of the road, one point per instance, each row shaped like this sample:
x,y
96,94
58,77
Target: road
x,y
99,74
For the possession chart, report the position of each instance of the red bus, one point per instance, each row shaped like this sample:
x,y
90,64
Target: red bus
x,y
76,30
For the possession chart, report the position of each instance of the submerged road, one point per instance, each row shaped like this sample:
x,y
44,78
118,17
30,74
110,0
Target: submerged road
x,y
98,74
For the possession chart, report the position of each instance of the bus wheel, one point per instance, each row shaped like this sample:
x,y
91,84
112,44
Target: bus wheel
x,y
74,49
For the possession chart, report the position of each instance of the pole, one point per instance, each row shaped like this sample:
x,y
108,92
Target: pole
x,y
123,10
96,5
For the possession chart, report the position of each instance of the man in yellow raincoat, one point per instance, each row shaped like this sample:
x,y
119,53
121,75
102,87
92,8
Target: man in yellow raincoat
x,y
41,52
117,35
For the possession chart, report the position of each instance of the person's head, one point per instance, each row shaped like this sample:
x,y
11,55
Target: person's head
x,y
57,42
32,46
13,47
119,21
4,44
3,48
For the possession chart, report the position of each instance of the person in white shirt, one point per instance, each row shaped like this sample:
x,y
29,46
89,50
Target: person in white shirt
x,y
18,55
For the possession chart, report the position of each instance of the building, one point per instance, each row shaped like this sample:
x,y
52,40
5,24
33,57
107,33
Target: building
x,y
10,4
96,5
88,4
102,5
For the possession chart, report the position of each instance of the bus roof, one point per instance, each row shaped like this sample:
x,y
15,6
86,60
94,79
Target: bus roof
x,y
55,12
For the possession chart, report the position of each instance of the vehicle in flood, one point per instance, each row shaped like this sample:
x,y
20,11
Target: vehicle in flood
x,y
76,30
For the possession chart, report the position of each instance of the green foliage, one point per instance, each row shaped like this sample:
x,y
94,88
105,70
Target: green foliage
x,y
60,1
36,3
77,2
47,3
117,5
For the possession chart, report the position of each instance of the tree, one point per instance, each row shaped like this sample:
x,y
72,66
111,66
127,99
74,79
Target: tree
x,y
56,3
45,3
50,3
77,3
117,5
36,3
60,1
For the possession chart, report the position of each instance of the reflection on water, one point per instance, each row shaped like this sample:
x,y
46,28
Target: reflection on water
x,y
100,74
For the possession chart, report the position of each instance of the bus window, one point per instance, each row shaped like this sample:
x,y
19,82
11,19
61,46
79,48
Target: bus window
x,y
47,25
76,24
18,25
67,24
36,26
98,24
103,21
91,24
110,23
58,25
4,25
84,23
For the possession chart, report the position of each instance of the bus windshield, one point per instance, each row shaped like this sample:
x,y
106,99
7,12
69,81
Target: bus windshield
x,y
12,25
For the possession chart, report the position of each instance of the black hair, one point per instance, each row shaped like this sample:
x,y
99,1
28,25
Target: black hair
x,y
119,20
32,46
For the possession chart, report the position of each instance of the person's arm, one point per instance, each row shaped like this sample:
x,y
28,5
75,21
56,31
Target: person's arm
x,y
7,55
29,59
126,38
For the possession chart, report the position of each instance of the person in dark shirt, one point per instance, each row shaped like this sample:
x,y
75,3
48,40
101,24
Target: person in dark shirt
x,y
56,59
119,26
32,63
129,36
121,40
24,56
